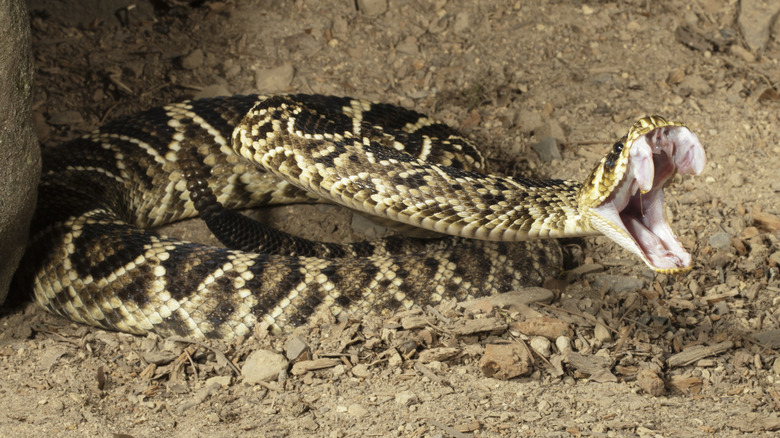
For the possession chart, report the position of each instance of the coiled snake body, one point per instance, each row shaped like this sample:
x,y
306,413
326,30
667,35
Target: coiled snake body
x,y
93,258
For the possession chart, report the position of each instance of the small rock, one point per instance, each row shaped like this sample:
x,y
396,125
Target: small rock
x,y
736,179
214,90
541,345
694,85
528,121
361,370
550,328
547,149
512,301
406,398
223,381
263,366
602,333
650,383
408,46
66,118
720,241
438,354
755,20
462,22
193,60
305,366
505,361
357,411
768,338
296,346
275,79
372,8
618,283
563,343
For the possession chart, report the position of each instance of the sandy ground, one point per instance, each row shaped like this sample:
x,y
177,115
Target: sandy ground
x,y
643,355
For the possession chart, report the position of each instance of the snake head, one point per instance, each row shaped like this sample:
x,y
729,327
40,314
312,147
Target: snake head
x,y
623,198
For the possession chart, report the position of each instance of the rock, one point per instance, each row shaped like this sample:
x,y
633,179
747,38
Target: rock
x,y
693,85
357,410
618,283
19,150
505,361
193,60
541,345
462,22
736,179
720,241
223,381
438,354
601,333
66,118
274,79
361,370
649,381
406,398
214,90
755,20
550,328
563,343
529,121
513,301
768,338
263,366
547,149
372,8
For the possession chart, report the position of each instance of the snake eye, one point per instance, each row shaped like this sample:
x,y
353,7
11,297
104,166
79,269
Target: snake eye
x,y
617,147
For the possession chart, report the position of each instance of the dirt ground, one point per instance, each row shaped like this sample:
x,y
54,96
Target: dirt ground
x,y
642,354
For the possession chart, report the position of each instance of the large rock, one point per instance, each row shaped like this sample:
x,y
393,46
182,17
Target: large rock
x,y
20,158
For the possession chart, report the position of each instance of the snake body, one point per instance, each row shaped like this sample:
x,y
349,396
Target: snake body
x,y
94,257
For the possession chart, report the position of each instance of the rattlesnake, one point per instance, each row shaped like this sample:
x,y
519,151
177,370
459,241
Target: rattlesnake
x,y
93,257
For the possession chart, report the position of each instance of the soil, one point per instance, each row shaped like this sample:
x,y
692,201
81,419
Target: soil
x,y
640,355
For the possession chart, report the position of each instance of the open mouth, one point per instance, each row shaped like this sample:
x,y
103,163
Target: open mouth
x,y
633,215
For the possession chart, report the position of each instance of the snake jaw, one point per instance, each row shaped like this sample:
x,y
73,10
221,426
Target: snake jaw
x,y
633,215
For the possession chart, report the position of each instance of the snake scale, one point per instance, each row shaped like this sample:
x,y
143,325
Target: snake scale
x,y
94,257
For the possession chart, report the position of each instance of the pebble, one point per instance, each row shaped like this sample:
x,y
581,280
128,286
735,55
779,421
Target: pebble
x,y
550,328
720,241
547,149
462,22
372,8
214,90
357,411
541,345
505,361
755,20
406,398
193,60
618,283
223,381
296,346
66,118
528,121
361,370
650,382
736,179
602,333
694,85
274,79
263,366
563,344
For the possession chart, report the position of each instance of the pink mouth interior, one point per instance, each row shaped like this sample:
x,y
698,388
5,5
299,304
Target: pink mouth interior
x,y
654,159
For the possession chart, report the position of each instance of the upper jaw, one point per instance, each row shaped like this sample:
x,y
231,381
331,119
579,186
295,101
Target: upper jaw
x,y
633,215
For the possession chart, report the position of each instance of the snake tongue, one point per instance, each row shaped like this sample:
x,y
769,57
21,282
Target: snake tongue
x,y
634,216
